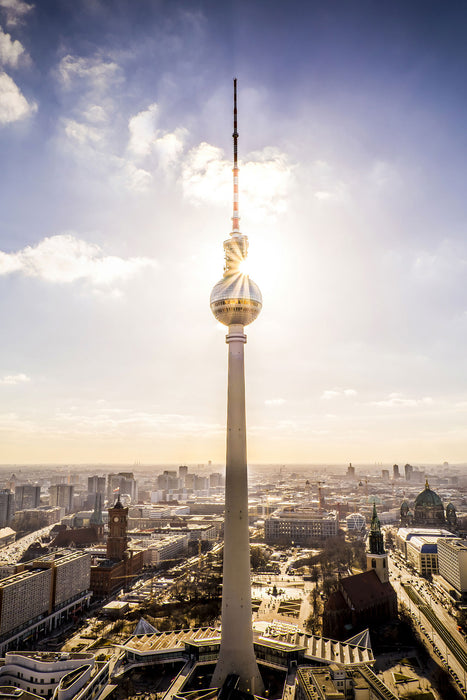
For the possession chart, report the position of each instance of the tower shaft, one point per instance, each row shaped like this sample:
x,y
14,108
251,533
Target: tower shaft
x,y
236,652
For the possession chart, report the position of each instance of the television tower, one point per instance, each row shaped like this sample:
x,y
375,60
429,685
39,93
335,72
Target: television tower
x,y
236,301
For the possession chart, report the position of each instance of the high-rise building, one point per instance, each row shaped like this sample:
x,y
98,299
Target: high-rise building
x,y
122,483
62,495
408,472
395,471
236,301
351,471
96,484
27,496
7,507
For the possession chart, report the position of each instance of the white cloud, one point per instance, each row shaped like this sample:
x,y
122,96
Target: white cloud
x,y
15,10
136,179
82,133
65,258
146,138
265,179
329,394
94,71
274,402
397,400
10,51
13,105
10,379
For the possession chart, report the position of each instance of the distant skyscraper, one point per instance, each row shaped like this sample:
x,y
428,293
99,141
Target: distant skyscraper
x,y
236,301
62,495
7,506
408,472
395,471
27,496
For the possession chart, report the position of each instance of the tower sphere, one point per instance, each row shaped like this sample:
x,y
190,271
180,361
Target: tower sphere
x,y
236,299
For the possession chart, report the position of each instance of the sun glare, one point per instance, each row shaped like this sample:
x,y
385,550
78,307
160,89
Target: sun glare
x,y
244,267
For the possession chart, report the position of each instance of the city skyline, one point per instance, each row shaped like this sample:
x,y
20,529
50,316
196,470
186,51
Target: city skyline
x,y
114,194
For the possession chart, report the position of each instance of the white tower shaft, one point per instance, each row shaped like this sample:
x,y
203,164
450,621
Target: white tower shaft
x,y
236,652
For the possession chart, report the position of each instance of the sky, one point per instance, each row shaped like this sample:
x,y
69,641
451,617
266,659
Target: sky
x,y
115,198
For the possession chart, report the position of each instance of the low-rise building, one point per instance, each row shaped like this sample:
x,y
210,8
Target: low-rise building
x,y
302,526
65,676
422,554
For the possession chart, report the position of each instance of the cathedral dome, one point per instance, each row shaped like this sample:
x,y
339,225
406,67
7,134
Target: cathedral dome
x,y
428,508
428,497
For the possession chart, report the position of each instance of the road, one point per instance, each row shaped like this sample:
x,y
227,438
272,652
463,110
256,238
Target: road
x,y
437,626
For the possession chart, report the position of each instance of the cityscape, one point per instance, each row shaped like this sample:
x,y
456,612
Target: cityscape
x,y
284,518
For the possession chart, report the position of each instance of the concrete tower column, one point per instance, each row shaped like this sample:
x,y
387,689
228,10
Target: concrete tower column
x,y
236,653
236,301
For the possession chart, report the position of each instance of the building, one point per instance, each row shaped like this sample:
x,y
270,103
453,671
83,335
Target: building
x,y
366,599
47,674
405,534
351,471
408,472
96,484
7,536
300,526
27,496
452,563
7,507
45,593
355,522
165,549
395,472
36,518
71,572
336,682
422,554
62,495
236,301
123,483
428,511
121,563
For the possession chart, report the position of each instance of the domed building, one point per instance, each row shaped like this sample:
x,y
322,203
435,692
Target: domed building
x,y
428,511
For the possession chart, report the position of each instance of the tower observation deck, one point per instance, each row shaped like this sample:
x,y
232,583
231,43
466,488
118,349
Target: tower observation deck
x,y
236,301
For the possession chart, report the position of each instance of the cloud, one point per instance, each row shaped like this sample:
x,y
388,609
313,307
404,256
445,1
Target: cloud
x,y
10,379
329,394
94,72
15,10
10,51
82,133
65,259
13,105
146,138
397,400
274,402
265,179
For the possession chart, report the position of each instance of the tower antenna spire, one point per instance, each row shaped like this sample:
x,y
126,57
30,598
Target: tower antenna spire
x,y
235,217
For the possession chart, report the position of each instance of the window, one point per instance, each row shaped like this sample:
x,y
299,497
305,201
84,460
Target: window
x,y
373,563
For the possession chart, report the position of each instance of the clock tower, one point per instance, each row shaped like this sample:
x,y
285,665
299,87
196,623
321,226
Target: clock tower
x,y
118,525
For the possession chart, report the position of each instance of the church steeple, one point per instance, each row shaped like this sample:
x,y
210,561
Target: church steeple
x,y
375,540
376,557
